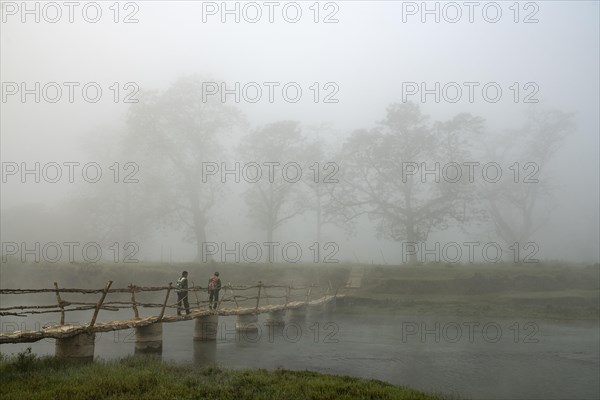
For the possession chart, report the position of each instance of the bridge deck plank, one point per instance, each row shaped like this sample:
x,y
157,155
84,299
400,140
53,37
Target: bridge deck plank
x,y
64,331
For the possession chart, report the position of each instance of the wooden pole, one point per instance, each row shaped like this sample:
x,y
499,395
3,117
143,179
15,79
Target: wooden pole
x,y
218,304
60,304
308,293
233,295
162,312
258,297
133,302
287,296
196,294
104,293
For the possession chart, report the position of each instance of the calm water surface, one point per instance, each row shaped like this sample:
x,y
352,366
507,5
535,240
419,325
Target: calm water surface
x,y
472,358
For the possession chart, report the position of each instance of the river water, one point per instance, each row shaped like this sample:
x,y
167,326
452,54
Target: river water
x,y
471,358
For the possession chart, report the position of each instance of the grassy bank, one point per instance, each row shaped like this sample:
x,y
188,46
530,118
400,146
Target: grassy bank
x,y
550,291
94,275
540,290
29,377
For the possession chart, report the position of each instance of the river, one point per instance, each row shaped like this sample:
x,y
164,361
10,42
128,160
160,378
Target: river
x,y
468,357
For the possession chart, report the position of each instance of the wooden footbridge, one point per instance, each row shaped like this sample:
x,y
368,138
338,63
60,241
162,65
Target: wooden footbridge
x,y
245,302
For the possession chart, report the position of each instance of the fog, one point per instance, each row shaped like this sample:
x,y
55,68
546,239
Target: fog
x,y
387,151
374,66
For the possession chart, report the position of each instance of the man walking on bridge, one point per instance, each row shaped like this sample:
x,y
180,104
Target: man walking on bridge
x,y
182,293
214,285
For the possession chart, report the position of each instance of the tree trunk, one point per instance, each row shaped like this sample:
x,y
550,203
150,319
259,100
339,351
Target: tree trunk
x,y
199,231
319,221
411,237
127,224
200,240
270,257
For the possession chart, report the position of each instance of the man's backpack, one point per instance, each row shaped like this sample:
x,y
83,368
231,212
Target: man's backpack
x,y
179,285
212,283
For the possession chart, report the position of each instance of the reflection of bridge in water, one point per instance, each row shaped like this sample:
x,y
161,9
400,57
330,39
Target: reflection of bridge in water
x,y
77,340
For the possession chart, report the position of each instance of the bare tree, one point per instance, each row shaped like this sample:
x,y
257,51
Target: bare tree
x,y
276,197
179,130
322,174
119,210
520,205
384,175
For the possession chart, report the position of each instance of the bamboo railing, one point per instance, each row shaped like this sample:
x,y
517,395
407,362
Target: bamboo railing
x,y
233,295
231,303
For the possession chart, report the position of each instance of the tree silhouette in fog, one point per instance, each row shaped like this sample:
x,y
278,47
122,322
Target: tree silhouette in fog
x,y
178,131
277,197
520,205
382,176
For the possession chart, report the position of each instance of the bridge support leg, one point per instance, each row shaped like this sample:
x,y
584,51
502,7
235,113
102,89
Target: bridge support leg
x,y
297,314
206,327
148,339
330,306
276,318
80,346
246,322
315,312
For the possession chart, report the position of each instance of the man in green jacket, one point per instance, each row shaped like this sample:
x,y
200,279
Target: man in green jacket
x,y
182,293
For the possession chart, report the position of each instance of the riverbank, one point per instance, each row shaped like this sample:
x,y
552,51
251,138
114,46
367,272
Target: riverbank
x,y
27,376
542,291
556,291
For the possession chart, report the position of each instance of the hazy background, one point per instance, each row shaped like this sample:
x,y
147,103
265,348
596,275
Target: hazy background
x,y
368,54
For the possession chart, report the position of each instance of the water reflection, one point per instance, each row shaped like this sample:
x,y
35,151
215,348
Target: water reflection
x,y
146,350
477,358
205,353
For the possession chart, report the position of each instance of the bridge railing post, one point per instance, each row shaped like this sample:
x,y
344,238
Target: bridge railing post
x,y
232,295
133,302
196,294
308,293
287,296
258,297
60,304
266,295
162,311
99,305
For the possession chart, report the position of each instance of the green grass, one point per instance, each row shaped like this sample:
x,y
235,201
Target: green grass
x,y
541,290
26,376
548,291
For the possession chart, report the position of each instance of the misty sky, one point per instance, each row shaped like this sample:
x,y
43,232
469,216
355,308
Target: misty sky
x,y
368,54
